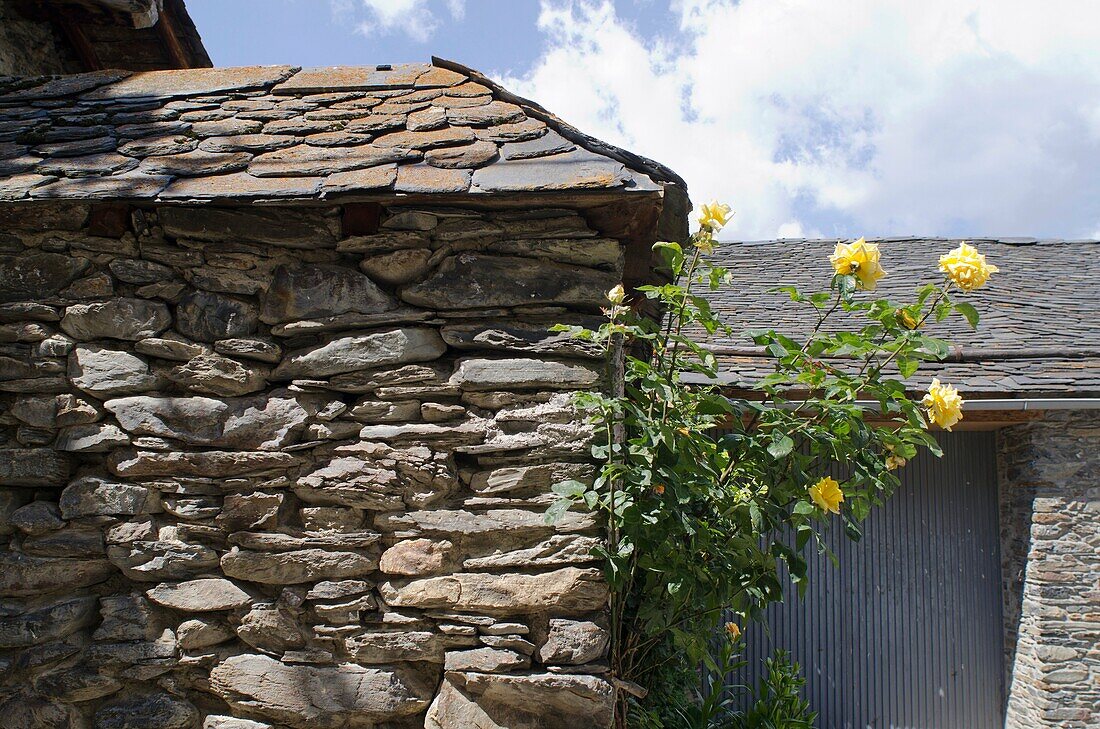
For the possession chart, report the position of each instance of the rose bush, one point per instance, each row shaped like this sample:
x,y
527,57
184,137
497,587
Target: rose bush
x,y
701,492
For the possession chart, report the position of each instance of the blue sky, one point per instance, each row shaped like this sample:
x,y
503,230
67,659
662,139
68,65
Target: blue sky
x,y
827,118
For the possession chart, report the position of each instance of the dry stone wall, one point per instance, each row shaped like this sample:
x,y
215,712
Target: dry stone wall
x,y
1050,522
259,473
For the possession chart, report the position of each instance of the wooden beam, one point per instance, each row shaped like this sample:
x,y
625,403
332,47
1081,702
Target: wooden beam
x,y
170,36
75,35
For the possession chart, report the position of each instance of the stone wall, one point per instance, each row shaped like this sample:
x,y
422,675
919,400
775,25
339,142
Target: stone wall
x,y
30,48
253,467
1050,521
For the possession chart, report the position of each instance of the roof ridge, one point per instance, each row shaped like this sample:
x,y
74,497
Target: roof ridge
x,y
1006,240
650,167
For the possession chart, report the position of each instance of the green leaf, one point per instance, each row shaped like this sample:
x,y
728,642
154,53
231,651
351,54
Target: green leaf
x,y
968,311
672,255
556,511
569,489
907,366
781,446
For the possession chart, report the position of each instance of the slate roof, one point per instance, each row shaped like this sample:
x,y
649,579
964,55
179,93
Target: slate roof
x,y
279,132
1040,327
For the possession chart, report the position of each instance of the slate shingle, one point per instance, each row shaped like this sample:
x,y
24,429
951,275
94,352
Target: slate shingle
x,y
247,133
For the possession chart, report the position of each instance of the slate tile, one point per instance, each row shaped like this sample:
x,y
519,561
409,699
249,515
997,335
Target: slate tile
x,y
241,185
426,140
122,187
191,82
423,178
304,160
195,163
570,170
369,178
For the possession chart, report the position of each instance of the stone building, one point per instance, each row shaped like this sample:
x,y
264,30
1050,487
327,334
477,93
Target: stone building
x,y
39,37
279,403
973,599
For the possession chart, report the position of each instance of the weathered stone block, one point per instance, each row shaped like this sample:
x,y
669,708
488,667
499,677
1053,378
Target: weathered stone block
x,y
513,336
320,697
538,701
257,423
39,275
161,560
218,375
130,319
291,568
33,467
208,317
361,352
52,622
471,280
23,575
203,595
107,372
305,229
394,646
574,642
94,496
524,374
148,710
416,557
310,292
270,628
139,464
568,590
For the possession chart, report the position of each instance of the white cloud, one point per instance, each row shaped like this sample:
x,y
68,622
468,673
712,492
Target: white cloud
x,y
414,18
848,117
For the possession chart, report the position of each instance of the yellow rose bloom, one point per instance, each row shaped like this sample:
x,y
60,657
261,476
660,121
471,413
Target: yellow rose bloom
x,y
859,259
906,319
944,404
966,267
705,242
733,630
827,495
617,295
714,216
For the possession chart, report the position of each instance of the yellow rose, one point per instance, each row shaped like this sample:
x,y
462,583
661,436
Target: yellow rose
x,y
944,404
705,242
827,495
714,216
859,259
906,319
966,267
617,295
733,630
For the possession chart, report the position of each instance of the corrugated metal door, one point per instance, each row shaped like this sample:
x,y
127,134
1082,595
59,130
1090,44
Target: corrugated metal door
x,y
906,632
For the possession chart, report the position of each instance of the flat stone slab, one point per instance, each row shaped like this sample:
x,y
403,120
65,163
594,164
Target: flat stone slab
x,y
202,595
570,590
360,352
473,280
578,169
252,423
190,82
510,374
322,79
320,697
137,464
238,185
